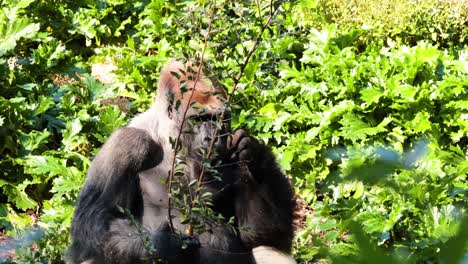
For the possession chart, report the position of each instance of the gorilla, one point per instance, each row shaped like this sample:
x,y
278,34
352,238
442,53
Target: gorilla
x,y
121,214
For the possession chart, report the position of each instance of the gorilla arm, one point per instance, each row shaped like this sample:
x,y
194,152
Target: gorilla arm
x,y
99,229
264,200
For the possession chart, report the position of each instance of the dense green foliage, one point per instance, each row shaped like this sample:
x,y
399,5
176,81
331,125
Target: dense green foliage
x,y
368,116
440,22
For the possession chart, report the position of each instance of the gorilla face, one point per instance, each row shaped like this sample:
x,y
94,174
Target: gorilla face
x,y
205,129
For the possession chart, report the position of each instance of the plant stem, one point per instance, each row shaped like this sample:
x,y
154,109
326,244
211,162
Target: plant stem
x,y
236,83
171,173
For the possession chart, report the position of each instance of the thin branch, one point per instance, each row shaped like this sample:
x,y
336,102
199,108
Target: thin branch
x,y
229,98
171,173
236,83
252,50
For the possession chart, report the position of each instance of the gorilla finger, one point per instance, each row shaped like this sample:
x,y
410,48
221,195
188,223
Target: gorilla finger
x,y
229,141
237,137
245,143
245,155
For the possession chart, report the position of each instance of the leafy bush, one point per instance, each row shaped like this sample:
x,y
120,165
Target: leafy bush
x,y
377,137
440,22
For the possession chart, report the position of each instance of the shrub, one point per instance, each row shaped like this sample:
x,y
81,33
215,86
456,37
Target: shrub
x,y
441,22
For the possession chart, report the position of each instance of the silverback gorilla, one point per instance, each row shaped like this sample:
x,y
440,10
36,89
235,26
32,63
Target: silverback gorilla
x,y
131,168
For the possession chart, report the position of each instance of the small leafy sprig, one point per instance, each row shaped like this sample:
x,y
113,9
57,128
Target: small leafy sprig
x,y
193,200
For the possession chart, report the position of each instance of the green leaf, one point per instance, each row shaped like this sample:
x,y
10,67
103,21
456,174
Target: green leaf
x,y
70,183
18,197
371,95
354,129
330,224
35,140
71,135
285,159
21,4
331,235
420,123
14,28
3,182
45,165
110,120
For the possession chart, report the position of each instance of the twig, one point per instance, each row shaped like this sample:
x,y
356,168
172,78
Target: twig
x,y
236,83
229,98
252,50
171,173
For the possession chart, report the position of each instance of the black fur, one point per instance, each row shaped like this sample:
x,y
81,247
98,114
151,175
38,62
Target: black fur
x,y
253,190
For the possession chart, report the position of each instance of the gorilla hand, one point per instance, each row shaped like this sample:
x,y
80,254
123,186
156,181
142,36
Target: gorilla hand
x,y
174,248
246,150
129,150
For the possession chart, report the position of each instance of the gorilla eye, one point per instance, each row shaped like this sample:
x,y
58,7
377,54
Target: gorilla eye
x,y
205,118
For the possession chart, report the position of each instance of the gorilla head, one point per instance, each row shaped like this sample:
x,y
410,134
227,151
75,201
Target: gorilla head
x,y
196,107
